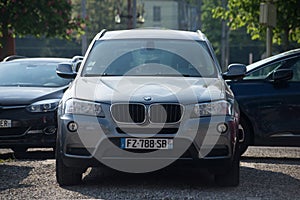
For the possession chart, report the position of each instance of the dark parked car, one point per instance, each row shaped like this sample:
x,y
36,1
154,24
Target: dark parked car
x,y
146,98
269,100
30,92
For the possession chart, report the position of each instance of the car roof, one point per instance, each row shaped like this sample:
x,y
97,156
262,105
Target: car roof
x,y
152,33
273,58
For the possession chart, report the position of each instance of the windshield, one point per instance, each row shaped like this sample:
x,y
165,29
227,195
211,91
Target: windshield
x,y
30,74
149,57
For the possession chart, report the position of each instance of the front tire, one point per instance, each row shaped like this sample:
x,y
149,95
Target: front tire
x,y
66,176
247,136
19,152
230,178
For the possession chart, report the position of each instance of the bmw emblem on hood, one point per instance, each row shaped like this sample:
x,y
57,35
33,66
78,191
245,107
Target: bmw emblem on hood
x,y
147,98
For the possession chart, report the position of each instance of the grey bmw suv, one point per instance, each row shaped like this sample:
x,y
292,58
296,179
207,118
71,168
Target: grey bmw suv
x,y
144,99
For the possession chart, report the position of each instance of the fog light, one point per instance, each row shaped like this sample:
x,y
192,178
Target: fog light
x,y
72,126
222,128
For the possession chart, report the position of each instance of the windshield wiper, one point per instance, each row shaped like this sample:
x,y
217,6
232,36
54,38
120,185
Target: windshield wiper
x,y
104,74
176,75
158,74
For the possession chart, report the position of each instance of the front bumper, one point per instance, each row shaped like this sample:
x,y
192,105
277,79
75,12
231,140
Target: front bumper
x,y
97,141
28,129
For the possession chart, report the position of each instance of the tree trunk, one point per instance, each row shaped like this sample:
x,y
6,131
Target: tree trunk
x,y
285,39
4,42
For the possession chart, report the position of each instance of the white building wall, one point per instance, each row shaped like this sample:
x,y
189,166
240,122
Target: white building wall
x,y
169,14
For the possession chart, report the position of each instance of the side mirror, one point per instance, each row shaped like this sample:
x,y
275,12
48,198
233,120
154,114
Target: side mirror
x,y
65,70
235,71
282,75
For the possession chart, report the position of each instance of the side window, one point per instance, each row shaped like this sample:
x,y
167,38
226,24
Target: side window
x,y
296,70
263,72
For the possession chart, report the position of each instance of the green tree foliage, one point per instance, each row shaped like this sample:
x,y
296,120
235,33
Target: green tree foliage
x,y
41,18
238,43
245,13
100,15
210,26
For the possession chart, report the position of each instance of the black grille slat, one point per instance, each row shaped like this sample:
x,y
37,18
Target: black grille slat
x,y
136,113
165,113
128,113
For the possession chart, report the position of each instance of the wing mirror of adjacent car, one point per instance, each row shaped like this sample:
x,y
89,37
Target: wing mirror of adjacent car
x,y
77,65
282,75
235,71
65,70
77,60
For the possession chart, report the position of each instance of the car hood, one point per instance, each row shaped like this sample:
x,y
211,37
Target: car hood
x,y
148,89
28,95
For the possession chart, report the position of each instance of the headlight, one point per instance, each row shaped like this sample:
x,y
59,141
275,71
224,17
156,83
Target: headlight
x,y
212,108
79,107
43,106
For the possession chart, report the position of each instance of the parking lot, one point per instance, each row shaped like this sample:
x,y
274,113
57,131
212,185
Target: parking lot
x,y
141,85
266,173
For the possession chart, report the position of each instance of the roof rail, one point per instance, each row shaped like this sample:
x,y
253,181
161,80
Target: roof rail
x,y
201,35
99,35
12,57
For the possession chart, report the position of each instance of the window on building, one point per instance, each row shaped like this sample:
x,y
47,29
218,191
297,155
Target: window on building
x,y
156,13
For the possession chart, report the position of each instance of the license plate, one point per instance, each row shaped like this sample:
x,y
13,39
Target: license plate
x,y
5,123
146,143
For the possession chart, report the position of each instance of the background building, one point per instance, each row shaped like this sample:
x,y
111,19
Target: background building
x,y
171,14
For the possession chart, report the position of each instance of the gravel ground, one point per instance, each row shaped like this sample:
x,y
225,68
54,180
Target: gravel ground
x,y
266,173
